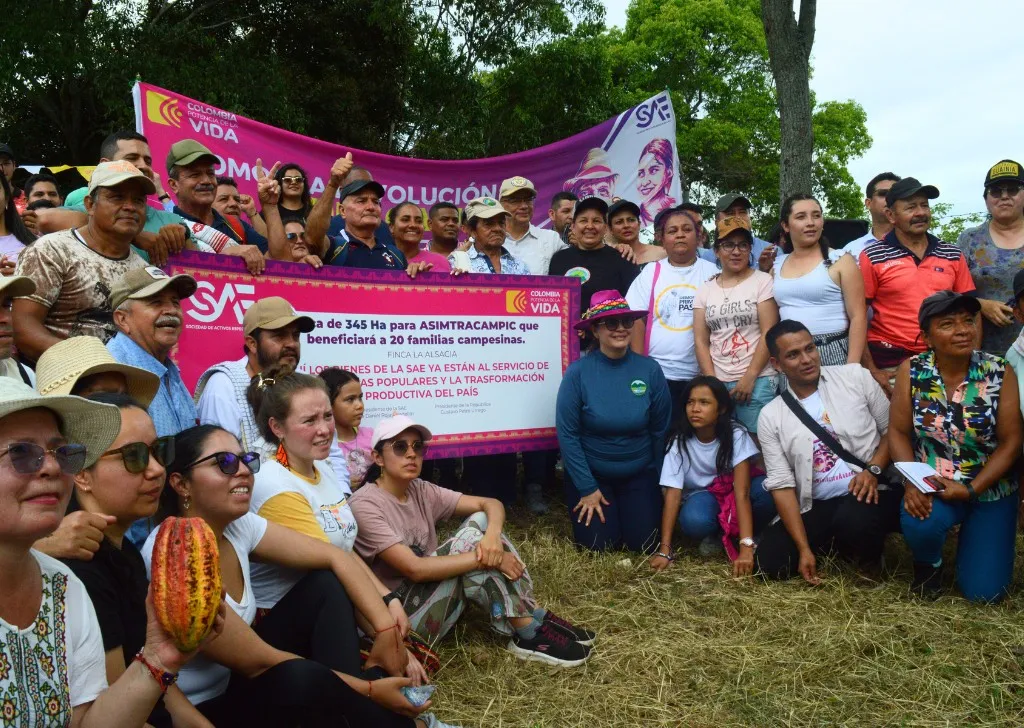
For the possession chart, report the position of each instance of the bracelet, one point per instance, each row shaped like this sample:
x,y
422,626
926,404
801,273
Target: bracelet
x,y
971,495
386,629
391,595
164,196
663,555
163,679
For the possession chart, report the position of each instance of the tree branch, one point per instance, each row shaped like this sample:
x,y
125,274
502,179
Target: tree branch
x,y
805,27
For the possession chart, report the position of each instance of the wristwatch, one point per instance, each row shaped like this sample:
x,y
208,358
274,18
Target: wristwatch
x,y
874,470
748,542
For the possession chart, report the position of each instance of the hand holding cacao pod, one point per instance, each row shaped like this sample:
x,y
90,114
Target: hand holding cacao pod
x,y
185,580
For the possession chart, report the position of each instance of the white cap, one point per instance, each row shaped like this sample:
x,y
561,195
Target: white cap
x,y
394,426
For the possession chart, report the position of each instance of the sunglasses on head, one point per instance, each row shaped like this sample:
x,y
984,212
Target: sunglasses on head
x,y
135,455
27,457
228,462
614,324
293,178
401,447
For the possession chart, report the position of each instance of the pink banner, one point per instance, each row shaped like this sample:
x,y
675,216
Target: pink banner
x,y
477,358
632,156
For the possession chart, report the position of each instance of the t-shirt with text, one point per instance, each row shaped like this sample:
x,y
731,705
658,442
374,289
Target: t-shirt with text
x,y
731,316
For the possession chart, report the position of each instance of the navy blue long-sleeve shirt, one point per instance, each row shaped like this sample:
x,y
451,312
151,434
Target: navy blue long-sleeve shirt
x,y
612,417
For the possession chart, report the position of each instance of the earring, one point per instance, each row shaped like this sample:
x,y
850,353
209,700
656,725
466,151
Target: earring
x,y
187,502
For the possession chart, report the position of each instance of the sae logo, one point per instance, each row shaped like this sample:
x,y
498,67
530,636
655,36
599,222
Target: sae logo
x,y
162,109
656,110
207,305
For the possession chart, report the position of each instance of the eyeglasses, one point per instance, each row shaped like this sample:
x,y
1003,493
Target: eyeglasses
x,y
293,179
997,191
135,455
401,447
730,247
228,462
27,457
614,324
292,237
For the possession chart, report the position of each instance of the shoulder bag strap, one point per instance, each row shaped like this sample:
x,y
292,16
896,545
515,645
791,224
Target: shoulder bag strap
x,y
826,438
650,309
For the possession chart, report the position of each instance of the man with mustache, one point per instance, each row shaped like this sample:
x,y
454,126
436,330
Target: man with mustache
x,y
273,334
900,271
75,269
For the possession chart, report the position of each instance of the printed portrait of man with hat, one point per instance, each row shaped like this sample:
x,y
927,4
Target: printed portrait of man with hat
x,y
595,177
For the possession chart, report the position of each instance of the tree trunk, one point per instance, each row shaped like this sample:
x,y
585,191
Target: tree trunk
x,y
789,51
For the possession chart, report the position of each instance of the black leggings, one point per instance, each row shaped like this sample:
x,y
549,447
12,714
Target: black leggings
x,y
853,529
314,620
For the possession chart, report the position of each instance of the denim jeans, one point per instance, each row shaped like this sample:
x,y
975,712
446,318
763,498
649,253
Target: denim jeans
x,y
764,391
698,514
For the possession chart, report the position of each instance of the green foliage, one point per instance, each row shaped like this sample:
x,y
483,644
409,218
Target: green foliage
x,y
429,78
947,226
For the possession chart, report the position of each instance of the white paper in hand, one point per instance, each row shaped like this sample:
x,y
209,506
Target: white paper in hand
x,y
921,475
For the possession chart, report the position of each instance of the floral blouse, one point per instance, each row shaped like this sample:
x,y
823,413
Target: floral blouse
x,y
956,435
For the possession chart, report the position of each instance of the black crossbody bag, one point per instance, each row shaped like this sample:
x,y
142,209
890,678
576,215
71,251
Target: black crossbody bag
x,y
890,477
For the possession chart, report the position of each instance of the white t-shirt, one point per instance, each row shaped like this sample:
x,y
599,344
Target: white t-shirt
x,y
328,501
67,633
695,466
670,321
832,475
202,679
536,248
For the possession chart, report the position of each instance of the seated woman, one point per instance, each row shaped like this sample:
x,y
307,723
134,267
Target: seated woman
x,y
612,416
50,640
346,396
249,672
124,484
708,445
398,514
957,409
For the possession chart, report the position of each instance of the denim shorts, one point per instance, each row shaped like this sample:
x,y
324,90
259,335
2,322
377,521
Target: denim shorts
x,y
764,391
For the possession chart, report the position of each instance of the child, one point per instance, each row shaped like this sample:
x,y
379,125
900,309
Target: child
x,y
346,395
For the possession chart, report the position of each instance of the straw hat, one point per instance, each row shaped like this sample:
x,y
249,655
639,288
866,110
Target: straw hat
x,y
63,364
82,422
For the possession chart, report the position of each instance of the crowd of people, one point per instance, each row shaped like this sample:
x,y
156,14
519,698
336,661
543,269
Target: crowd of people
x,y
749,397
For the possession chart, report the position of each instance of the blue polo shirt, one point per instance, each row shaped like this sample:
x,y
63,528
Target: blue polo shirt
x,y
221,225
172,409
337,224
346,250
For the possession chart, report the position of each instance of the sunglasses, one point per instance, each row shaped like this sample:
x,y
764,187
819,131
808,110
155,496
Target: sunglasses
x,y
614,324
293,179
292,237
998,191
401,447
135,455
228,462
27,457
729,247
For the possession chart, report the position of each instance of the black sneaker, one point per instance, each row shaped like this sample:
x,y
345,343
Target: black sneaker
x,y
578,634
551,646
927,581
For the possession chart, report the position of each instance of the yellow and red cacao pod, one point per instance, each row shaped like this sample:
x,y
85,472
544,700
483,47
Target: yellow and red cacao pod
x,y
185,580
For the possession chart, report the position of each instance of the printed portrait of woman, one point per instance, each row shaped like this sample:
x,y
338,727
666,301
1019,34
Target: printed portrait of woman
x,y
654,175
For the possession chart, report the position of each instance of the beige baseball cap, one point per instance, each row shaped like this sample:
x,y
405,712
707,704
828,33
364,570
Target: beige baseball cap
x,y
111,174
274,312
62,365
142,283
15,286
484,207
515,184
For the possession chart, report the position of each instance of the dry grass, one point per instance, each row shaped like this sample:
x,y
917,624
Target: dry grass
x,y
693,647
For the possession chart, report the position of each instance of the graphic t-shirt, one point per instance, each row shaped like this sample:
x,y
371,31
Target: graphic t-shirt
x,y
356,455
73,281
731,316
670,321
832,475
697,465
601,269
318,509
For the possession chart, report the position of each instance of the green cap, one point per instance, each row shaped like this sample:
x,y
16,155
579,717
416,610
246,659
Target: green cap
x,y
186,152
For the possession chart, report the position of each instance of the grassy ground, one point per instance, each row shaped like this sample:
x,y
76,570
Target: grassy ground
x,y
693,647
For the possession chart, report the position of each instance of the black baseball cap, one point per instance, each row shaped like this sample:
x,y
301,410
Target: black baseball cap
x,y
6,151
908,187
361,184
590,203
945,302
727,201
621,205
1004,171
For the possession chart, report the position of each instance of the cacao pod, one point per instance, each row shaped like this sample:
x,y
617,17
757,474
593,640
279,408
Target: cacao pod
x,y
185,580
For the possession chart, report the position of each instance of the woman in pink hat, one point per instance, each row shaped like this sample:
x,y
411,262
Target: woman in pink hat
x,y
612,416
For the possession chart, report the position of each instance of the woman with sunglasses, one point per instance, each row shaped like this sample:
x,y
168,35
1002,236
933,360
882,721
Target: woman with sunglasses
x,y
398,513
731,313
612,416
124,485
295,201
255,673
51,644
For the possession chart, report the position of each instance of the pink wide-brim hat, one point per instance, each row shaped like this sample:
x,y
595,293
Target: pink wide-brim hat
x,y
607,304
594,166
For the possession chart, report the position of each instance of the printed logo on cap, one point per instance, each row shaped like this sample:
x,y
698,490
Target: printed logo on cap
x,y
156,273
518,181
638,387
1005,169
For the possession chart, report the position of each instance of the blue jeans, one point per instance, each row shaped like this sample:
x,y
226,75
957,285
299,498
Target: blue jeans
x,y
632,518
764,391
985,546
698,514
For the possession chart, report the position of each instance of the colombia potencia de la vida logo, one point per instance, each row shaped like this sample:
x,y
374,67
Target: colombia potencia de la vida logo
x,y
162,109
204,120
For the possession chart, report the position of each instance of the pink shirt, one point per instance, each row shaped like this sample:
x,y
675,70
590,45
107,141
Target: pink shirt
x,y
357,454
731,316
440,262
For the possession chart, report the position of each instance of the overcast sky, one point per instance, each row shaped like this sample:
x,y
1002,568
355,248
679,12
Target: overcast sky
x,y
939,80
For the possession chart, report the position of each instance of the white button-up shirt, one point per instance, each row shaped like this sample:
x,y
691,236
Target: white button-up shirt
x,y
535,248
